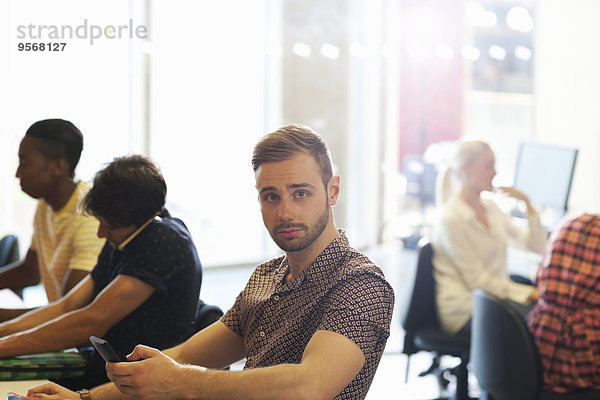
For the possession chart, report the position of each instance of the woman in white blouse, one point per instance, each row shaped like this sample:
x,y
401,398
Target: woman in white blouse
x,y
470,239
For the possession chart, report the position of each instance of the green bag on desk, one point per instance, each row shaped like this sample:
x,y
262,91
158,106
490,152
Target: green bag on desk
x,y
61,364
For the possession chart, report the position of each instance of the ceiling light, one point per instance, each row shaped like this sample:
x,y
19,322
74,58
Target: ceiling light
x,y
301,49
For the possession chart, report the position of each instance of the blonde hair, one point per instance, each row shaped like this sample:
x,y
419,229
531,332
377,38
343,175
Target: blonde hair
x,y
465,153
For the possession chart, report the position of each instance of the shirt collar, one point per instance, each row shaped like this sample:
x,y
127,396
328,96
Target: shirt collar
x,y
333,253
466,210
137,232
71,203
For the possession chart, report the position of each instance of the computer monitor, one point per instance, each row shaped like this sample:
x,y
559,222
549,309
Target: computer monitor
x,y
544,172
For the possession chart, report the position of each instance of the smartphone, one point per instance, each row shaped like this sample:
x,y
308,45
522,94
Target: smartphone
x,y
105,350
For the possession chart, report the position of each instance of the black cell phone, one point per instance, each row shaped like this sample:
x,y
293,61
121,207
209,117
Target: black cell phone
x,y
105,349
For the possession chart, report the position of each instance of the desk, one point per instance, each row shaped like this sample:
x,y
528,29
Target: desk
x,y
18,387
8,299
522,262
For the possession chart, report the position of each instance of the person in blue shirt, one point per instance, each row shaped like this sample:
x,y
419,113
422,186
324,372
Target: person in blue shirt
x,y
144,287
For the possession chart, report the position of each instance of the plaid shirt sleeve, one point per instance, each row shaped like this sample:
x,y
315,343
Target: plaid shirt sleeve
x,y
566,322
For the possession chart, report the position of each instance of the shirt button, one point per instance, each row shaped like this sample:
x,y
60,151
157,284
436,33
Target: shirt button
x,y
276,297
262,334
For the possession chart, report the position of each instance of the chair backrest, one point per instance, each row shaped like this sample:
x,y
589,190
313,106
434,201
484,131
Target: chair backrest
x,y
9,250
421,311
206,314
504,357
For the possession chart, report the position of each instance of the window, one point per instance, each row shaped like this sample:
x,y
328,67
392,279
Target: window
x,y
87,84
197,92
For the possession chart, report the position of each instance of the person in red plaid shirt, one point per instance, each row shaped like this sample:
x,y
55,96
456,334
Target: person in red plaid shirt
x,y
566,321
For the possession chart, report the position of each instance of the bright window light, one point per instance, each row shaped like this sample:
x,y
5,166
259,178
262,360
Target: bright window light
x,y
418,52
386,49
359,50
471,53
477,16
519,19
489,19
330,51
444,51
523,53
473,14
301,49
497,52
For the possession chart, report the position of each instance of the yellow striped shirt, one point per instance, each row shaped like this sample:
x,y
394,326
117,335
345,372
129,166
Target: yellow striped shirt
x,y
64,240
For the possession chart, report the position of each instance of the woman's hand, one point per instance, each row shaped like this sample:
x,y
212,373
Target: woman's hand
x,y
517,194
534,296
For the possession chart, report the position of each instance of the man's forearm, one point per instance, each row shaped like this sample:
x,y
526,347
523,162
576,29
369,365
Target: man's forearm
x,y
283,381
30,319
20,274
57,334
7,314
329,363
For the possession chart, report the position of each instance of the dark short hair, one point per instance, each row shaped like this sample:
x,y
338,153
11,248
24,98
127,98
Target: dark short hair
x,y
57,138
128,191
290,140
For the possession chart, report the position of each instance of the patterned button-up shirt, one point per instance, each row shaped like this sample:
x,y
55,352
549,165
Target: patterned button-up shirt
x,y
566,321
341,291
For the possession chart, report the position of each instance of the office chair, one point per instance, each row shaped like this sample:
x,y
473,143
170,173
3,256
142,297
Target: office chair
x,y
504,357
9,253
9,250
206,315
423,332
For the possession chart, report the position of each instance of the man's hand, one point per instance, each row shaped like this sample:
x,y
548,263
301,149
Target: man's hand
x,y
51,390
151,375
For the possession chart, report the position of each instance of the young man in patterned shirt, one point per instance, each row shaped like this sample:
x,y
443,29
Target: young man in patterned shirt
x,y
311,324
64,246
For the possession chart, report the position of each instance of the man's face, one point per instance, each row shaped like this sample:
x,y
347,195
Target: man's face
x,y
114,235
293,201
36,173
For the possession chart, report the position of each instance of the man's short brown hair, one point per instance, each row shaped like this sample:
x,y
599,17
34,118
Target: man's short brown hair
x,y
288,141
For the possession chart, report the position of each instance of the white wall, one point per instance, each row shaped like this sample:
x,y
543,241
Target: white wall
x,y
567,89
